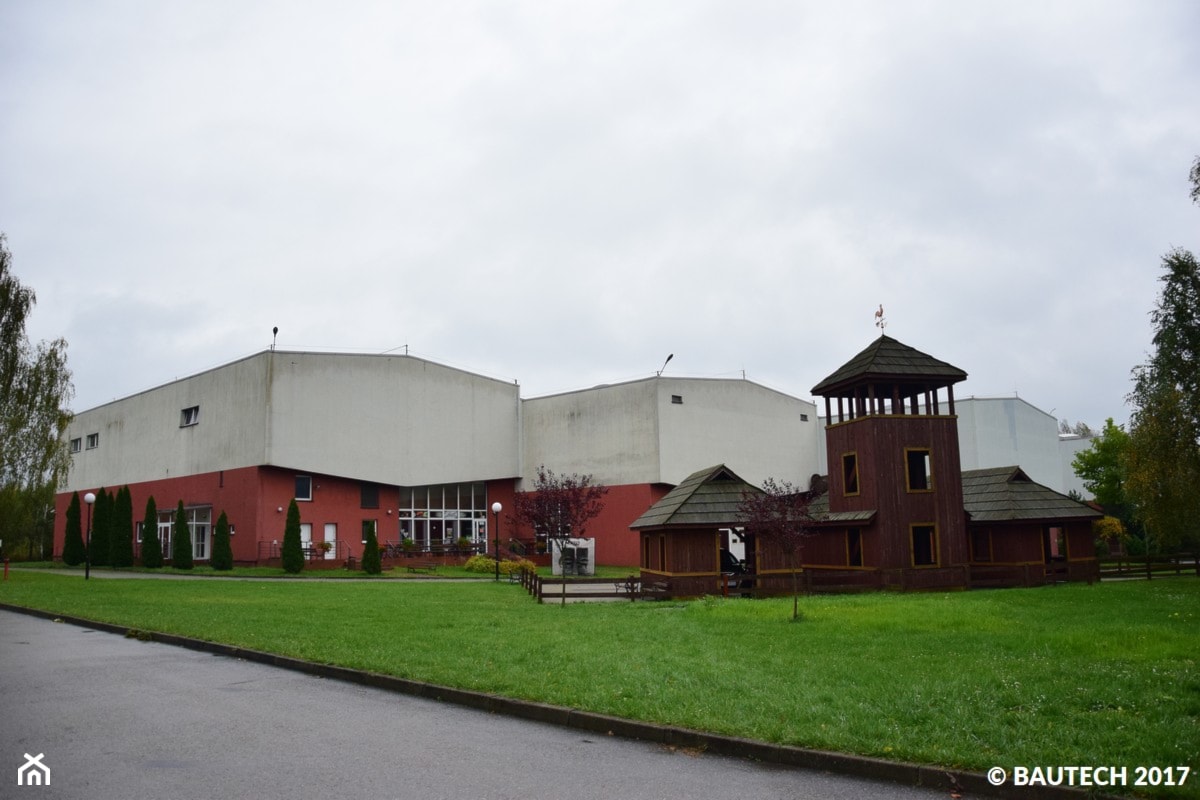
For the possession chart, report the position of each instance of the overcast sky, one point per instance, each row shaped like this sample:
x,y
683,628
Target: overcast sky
x,y
564,193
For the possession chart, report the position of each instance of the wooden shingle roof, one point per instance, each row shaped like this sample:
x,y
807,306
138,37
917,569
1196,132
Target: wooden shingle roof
x,y
1006,494
710,497
887,359
819,509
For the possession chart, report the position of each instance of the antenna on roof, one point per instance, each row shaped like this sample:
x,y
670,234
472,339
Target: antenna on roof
x,y
880,320
664,366
274,333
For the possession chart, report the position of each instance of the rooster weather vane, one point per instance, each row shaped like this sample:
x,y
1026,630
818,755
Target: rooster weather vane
x,y
880,320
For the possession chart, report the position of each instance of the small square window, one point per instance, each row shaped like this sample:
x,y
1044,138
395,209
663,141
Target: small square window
x,y
804,417
76,445
93,441
303,487
369,495
677,399
189,416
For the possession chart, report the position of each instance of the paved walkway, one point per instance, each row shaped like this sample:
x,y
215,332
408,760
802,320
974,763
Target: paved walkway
x,y
120,719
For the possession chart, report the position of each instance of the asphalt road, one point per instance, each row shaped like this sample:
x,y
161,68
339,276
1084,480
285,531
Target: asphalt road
x,y
120,719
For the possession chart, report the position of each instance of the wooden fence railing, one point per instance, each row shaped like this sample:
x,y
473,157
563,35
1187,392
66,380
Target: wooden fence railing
x,y
1149,566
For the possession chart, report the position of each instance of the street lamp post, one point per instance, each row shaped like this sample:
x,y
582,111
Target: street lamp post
x,y
496,533
89,499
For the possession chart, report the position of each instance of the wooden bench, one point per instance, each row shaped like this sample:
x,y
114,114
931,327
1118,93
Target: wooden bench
x,y
421,565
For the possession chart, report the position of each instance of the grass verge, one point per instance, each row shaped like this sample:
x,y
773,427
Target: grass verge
x,y
1068,675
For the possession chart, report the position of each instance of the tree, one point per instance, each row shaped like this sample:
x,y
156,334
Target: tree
x,y
292,556
222,552
73,548
1102,469
121,530
35,387
1194,176
558,508
181,540
371,563
1163,463
152,554
99,544
779,517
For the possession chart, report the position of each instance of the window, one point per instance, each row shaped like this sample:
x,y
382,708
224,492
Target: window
x,y
368,528
918,470
924,546
303,487
981,545
854,547
76,445
443,513
369,496
677,399
804,417
93,441
199,521
189,416
850,473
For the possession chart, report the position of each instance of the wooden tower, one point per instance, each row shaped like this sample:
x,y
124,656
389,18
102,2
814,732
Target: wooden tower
x,y
892,443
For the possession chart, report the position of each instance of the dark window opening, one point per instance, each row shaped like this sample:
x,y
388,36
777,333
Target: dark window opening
x,y
924,546
368,528
303,487
919,470
981,545
850,473
369,495
677,399
854,547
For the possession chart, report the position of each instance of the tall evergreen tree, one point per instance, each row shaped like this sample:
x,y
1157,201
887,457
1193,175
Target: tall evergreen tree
x,y
371,563
73,549
1163,465
181,540
222,552
99,549
293,550
121,536
152,554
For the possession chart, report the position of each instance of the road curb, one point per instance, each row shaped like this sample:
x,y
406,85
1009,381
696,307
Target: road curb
x,y
949,780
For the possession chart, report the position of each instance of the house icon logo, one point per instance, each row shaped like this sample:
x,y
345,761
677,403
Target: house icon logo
x,y
33,772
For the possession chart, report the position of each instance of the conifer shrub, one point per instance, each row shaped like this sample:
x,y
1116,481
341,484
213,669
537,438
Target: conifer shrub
x,y
120,546
292,556
181,540
99,543
371,563
73,550
222,551
152,554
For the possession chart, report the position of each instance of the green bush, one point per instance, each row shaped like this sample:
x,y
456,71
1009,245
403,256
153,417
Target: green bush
x,y
487,565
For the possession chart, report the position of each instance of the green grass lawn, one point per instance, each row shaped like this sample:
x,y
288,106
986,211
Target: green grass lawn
x,y
1067,675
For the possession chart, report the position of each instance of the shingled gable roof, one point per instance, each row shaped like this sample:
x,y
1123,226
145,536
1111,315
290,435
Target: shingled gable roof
x,y
889,359
708,498
1007,494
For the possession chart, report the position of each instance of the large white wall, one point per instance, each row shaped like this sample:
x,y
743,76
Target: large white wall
x,y
141,438
635,433
397,420
999,431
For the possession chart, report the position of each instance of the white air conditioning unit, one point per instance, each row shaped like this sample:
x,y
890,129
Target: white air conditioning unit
x,y
573,556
